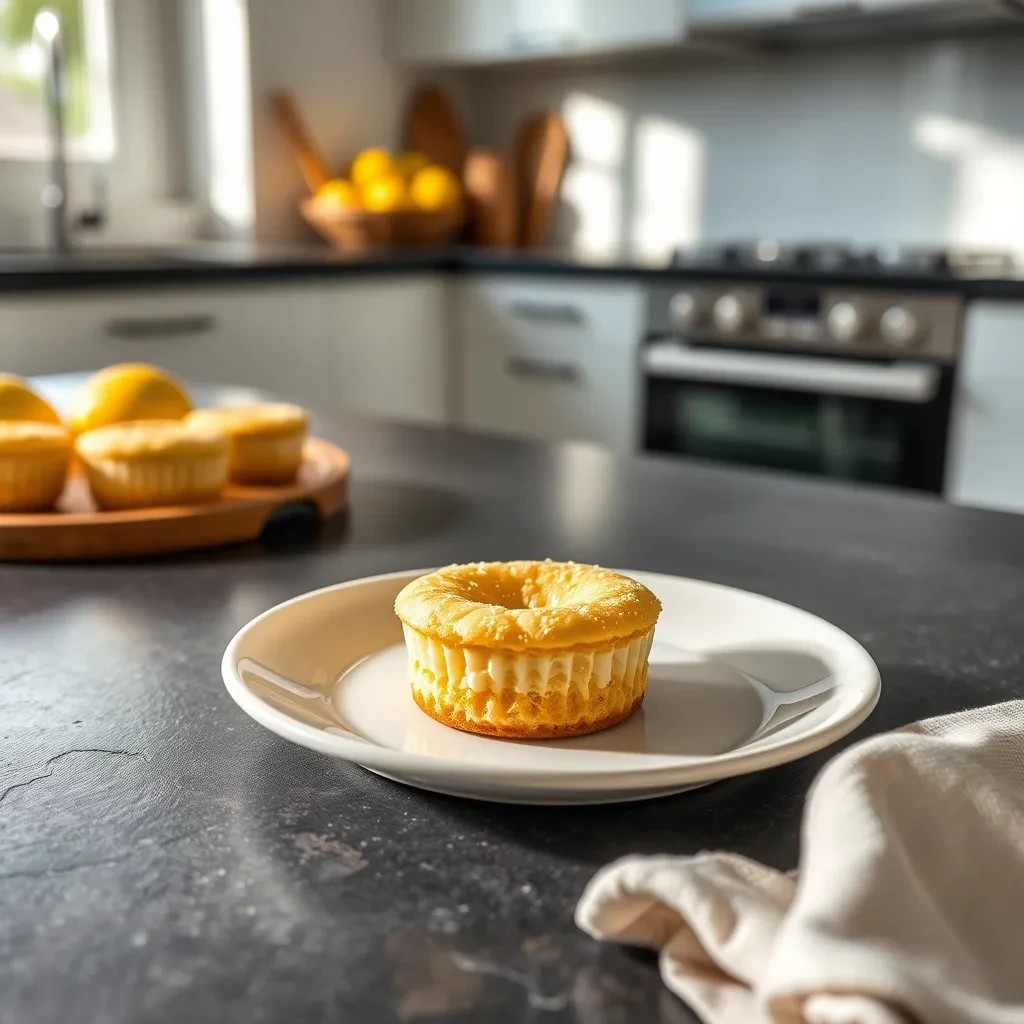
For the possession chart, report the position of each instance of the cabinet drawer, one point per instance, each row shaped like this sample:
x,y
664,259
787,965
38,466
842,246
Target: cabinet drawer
x,y
268,339
539,316
556,395
529,397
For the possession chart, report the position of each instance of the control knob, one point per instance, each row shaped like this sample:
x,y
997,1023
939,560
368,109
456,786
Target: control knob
x,y
687,310
846,321
731,313
901,327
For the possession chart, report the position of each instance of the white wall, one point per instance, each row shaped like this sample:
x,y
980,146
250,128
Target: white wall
x,y
919,142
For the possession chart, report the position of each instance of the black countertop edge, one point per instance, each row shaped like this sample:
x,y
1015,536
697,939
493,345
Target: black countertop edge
x,y
193,266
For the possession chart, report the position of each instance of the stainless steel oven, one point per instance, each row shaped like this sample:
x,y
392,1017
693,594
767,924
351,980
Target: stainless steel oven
x,y
849,385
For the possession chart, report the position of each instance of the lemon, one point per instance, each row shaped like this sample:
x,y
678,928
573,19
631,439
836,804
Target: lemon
x,y
19,402
339,191
435,188
386,194
408,163
370,164
127,391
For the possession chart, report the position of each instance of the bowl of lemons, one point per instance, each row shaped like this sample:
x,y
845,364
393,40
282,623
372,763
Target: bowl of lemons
x,y
387,199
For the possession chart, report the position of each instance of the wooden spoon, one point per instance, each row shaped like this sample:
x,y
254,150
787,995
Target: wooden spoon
x,y
311,160
541,155
433,128
490,186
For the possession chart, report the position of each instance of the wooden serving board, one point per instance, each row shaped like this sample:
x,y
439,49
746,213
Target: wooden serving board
x,y
78,531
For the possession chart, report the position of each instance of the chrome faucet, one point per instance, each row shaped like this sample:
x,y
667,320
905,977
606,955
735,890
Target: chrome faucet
x,y
49,36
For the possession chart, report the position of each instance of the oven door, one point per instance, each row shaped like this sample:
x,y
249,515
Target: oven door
x,y
848,419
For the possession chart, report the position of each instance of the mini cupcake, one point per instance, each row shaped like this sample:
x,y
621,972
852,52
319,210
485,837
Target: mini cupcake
x,y
154,462
34,461
266,440
529,650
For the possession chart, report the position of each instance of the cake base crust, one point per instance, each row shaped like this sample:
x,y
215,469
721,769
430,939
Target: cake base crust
x,y
457,719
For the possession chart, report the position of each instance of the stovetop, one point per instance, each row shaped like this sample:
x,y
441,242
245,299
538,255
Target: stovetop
x,y
827,257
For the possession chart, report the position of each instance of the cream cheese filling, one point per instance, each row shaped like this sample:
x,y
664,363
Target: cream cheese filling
x,y
479,669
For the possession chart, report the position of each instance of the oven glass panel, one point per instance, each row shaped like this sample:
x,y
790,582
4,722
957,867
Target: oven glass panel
x,y
839,437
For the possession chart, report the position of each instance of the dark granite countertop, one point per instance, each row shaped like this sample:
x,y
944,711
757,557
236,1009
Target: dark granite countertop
x,y
165,859
211,263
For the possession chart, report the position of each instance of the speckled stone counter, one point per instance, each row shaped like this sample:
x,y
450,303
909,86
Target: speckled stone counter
x,y
165,859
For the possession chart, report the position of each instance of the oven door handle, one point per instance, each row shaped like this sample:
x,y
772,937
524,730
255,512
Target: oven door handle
x,y
915,383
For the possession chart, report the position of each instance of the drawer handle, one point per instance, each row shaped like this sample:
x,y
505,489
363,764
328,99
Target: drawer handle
x,y
549,312
522,366
141,328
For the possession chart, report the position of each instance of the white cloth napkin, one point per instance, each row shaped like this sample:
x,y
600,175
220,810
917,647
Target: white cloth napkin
x,y
908,905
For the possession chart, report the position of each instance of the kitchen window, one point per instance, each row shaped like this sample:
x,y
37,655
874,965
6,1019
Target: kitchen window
x,y
23,125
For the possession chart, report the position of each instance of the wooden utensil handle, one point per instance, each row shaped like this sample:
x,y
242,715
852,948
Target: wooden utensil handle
x,y
311,163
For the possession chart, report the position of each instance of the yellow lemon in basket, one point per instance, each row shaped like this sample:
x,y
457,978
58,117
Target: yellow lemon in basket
x,y
369,165
386,194
19,402
435,188
127,391
340,192
409,163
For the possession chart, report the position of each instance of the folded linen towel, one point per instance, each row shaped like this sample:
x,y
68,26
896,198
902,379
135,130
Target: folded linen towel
x,y
908,906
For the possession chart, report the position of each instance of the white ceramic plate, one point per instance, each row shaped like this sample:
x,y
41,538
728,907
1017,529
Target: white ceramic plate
x,y
738,682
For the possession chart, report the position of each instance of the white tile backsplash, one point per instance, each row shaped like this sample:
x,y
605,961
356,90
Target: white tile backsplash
x,y
920,142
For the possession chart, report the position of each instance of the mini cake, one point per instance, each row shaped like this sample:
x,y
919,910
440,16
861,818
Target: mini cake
x,y
528,649
34,461
126,392
266,440
19,402
154,462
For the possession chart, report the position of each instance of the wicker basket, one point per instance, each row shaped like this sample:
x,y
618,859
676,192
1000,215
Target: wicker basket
x,y
363,229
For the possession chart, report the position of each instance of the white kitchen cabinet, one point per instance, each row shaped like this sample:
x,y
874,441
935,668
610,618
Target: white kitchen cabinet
x,y
735,14
370,345
389,350
554,27
272,338
986,454
490,31
549,360
452,31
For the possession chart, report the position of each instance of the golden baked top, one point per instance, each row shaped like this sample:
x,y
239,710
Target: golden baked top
x,y
25,437
168,438
253,420
525,605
